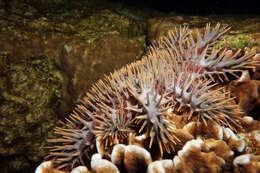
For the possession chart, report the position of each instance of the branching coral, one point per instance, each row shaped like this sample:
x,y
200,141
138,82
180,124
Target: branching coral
x,y
155,99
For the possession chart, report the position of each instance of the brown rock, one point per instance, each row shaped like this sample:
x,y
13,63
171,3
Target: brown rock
x,y
19,48
159,27
31,88
84,63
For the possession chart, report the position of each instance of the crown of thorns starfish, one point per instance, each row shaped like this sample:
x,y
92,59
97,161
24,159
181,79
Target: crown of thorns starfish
x,y
178,75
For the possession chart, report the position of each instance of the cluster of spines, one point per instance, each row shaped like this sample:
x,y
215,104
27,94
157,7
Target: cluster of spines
x,y
201,57
133,100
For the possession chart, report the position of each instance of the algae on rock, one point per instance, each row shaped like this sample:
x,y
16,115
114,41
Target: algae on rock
x,y
30,90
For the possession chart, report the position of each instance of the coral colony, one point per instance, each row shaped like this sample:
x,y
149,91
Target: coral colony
x,y
161,112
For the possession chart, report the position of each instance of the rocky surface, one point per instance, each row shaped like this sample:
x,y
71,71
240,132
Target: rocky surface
x,y
50,56
30,93
45,66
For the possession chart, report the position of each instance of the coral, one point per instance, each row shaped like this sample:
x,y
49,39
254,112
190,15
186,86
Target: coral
x,y
197,155
168,102
246,93
192,158
136,159
247,163
47,167
165,166
100,165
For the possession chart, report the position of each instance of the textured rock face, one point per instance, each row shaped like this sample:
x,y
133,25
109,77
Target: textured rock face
x,y
46,63
36,90
30,92
84,63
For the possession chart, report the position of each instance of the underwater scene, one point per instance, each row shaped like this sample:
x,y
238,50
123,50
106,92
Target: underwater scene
x,y
121,86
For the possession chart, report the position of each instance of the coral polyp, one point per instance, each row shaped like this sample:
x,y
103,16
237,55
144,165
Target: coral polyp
x,y
178,77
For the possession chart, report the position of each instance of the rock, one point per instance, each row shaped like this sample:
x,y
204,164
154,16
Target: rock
x,y
83,63
30,93
41,77
158,27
